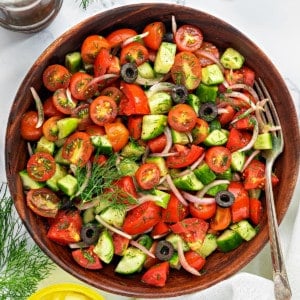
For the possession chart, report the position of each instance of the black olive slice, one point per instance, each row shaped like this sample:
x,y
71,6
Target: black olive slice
x,y
129,72
208,111
164,250
90,233
168,37
179,93
224,198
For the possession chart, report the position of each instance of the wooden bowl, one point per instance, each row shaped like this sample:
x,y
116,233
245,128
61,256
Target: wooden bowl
x,y
219,266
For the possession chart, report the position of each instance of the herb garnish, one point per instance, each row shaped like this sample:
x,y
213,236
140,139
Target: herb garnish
x,y
22,266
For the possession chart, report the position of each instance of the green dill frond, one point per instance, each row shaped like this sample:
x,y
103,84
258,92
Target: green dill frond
x,y
85,3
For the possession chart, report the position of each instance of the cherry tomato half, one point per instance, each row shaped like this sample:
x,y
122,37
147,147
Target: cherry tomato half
x,y
211,50
62,102
50,129
28,128
134,52
147,176
118,135
80,86
117,37
156,33
112,92
218,158
203,211
188,38
87,259
55,77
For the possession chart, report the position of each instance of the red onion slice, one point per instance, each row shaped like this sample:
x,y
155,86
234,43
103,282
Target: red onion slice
x,y
135,38
197,200
175,190
201,193
39,107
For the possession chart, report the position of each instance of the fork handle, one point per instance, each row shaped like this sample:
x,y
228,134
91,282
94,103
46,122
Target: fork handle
x,y
281,284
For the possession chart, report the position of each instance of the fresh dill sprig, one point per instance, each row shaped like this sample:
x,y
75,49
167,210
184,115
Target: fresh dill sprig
x,y
85,3
22,266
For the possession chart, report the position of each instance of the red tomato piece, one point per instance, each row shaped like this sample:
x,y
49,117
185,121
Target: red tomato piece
x,y
55,77
135,126
94,130
80,86
63,103
87,259
41,166
156,33
126,183
188,38
103,110
254,175
200,131
256,211
211,50
221,220
78,148
134,52
185,156
237,139
117,37
43,202
241,206
182,117
195,260
203,211
120,244
175,210
28,128
118,135
49,108
65,227
142,218
113,92
192,230
243,75
151,261
218,158
50,129
228,116
186,70
245,123
157,144
102,62
91,47
157,274
147,176
135,102
161,228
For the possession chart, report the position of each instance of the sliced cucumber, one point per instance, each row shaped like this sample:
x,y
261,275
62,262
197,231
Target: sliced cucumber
x,y
173,238
179,137
43,145
146,71
238,159
188,182
68,184
127,166
102,143
66,126
73,61
205,174
28,183
209,245
207,93
232,59
244,229
165,57
229,240
114,215
105,247
263,141
216,138
160,103
133,150
60,172
161,163
212,75
153,126
194,101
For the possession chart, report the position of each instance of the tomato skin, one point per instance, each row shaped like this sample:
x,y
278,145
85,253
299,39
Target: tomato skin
x,y
209,48
218,158
195,260
240,209
118,36
55,77
126,183
118,135
175,210
256,210
254,175
134,52
113,92
147,176
80,87
49,108
87,259
94,130
156,33
43,202
28,128
203,211
65,227
142,218
157,274
91,47
41,166
157,144
200,131
135,126
50,129
186,70
103,110
221,220
78,148
62,103
188,38
237,139
186,156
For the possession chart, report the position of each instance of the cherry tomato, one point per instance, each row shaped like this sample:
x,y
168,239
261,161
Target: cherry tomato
x,y
254,175
243,75
156,31
237,139
43,202
135,126
87,259
194,259
240,209
256,210
222,219
186,70
65,227
118,135
157,144
182,117
142,218
49,108
188,38
218,158
113,92
28,128
211,50
200,131
185,156
78,148
126,183
103,110
203,211
56,77
91,47
147,176
50,129
192,230
62,102
80,86
175,210
41,166
117,37
134,52
82,113
102,62
157,274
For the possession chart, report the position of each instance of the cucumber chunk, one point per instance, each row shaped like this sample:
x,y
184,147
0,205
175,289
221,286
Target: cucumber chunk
x,y
238,159
105,247
60,172
179,137
194,101
161,163
28,183
73,61
66,126
205,174
68,184
102,144
114,215
188,182
145,70
127,166
160,103
244,229
263,141
43,145
216,138
207,93
232,59
165,58
153,126
212,75
133,150
209,245
229,240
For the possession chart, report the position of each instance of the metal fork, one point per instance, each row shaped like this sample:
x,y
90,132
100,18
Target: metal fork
x,y
269,116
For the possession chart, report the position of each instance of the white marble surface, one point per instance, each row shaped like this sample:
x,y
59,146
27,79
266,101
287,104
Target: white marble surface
x,y
273,26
